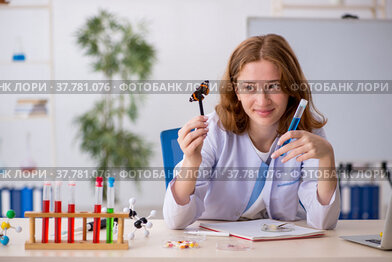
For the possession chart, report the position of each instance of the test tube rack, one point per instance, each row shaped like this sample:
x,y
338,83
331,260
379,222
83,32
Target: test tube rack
x,y
83,244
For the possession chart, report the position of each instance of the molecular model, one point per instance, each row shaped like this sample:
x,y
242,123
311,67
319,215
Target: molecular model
x,y
4,239
140,221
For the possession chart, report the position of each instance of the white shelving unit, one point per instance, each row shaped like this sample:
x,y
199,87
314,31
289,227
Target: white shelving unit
x,y
49,63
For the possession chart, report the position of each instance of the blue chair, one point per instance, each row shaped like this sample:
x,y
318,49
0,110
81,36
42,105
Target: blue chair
x,y
171,152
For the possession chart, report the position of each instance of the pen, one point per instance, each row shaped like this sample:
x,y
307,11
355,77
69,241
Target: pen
x,y
208,233
75,233
297,117
89,227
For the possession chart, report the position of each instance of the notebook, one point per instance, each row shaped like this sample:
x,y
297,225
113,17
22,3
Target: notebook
x,y
252,230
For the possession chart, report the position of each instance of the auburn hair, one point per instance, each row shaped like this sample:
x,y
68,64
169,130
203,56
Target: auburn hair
x,y
275,49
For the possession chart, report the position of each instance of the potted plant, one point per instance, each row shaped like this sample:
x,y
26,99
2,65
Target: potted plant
x,y
117,50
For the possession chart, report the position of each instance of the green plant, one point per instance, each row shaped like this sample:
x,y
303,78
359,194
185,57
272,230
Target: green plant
x,y
117,50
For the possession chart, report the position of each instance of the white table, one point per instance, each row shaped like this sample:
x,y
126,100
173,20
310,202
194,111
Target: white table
x,y
327,248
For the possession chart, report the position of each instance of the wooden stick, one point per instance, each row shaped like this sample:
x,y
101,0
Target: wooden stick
x,y
120,234
84,228
32,229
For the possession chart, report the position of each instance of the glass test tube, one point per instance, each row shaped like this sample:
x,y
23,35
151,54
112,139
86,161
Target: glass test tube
x,y
46,209
110,209
71,209
57,209
297,117
97,209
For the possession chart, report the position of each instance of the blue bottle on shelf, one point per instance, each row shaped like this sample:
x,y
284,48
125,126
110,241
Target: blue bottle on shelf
x,y
18,55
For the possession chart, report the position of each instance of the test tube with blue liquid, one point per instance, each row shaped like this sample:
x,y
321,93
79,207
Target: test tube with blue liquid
x,y
297,117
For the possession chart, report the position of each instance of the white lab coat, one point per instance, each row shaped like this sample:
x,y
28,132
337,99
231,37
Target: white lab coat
x,y
224,198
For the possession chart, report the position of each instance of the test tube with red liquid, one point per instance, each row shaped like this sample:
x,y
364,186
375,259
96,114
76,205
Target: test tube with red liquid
x,y
71,209
97,208
57,209
46,209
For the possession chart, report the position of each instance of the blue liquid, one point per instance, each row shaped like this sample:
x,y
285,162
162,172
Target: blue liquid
x,y
293,126
19,57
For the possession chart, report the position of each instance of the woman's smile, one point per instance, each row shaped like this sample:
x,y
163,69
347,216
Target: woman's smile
x,y
264,112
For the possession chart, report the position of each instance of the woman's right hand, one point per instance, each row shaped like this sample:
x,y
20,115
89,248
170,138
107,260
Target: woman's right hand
x,y
191,142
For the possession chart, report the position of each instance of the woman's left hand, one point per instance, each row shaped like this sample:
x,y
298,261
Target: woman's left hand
x,y
306,146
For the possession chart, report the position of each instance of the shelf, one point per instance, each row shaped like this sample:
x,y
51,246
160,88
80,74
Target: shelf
x,y
7,63
27,62
10,6
17,118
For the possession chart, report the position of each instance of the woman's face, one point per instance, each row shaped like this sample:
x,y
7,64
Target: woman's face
x,y
260,94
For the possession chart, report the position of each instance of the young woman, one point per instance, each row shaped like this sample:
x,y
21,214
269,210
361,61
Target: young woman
x,y
260,91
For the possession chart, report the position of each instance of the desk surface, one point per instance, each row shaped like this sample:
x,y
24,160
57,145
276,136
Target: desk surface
x,y
327,248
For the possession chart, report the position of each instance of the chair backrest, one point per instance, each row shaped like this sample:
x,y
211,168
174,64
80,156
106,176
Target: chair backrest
x,y
171,152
